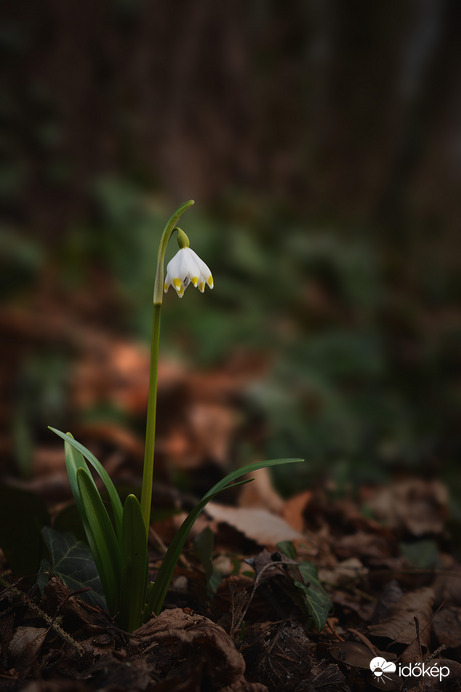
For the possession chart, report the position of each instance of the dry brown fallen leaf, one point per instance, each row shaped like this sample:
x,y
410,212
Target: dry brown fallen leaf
x,y
447,587
414,505
446,626
356,654
258,524
186,648
401,626
212,426
24,647
363,544
280,655
349,570
261,493
293,510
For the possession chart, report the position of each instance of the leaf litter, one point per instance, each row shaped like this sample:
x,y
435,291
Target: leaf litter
x,y
258,632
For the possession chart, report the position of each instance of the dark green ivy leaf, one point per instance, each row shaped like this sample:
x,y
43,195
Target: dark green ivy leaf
x,y
314,598
71,560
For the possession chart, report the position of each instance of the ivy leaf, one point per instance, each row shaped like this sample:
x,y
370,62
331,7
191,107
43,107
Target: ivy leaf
x,y
314,598
71,560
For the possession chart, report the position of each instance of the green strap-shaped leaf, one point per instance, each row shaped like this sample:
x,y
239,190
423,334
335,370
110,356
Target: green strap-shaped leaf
x,y
75,461
99,468
165,573
135,573
101,538
222,484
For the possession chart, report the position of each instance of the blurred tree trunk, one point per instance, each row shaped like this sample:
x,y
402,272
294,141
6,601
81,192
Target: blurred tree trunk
x,y
345,109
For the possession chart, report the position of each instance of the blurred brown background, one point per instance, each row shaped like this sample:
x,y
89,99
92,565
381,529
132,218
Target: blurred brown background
x,y
322,143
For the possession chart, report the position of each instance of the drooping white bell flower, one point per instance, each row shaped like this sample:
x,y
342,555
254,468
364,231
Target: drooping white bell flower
x,y
186,267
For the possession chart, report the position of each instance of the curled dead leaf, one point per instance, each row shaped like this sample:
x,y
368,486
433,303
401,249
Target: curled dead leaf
x,y
280,656
179,646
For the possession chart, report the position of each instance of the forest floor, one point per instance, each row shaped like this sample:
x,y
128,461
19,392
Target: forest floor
x,y
391,598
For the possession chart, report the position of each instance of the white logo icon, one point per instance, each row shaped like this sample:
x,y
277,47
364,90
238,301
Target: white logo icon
x,y
379,667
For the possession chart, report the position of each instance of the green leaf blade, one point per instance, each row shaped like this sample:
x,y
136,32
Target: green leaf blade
x,y
227,480
102,539
74,461
168,565
165,573
135,565
101,471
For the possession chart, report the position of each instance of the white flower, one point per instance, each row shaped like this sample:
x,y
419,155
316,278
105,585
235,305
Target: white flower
x,y
186,267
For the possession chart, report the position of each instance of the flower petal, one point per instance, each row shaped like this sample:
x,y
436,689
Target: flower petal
x,y
184,268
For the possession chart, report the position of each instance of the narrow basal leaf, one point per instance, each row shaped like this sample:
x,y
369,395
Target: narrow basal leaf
x,y
101,538
165,573
169,561
71,560
99,468
148,607
74,461
134,558
238,473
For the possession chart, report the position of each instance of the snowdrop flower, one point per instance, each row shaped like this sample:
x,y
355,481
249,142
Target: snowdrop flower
x,y
186,267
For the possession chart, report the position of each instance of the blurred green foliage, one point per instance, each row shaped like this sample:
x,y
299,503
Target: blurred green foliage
x,y
358,381
359,365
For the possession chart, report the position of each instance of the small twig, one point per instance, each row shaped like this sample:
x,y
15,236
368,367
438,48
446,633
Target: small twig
x,y
255,586
155,538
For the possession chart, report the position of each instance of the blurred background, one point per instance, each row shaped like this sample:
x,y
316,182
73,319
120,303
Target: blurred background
x,y
322,144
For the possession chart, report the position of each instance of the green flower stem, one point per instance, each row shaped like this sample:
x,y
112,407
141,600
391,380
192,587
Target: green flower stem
x,y
169,228
148,471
